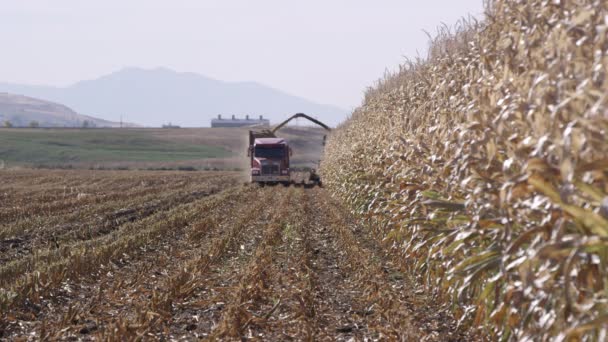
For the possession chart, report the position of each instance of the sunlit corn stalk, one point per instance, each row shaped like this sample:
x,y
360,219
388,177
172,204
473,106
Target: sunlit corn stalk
x,y
486,167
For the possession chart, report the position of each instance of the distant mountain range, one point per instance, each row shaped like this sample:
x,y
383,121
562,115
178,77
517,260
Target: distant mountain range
x,y
159,96
22,111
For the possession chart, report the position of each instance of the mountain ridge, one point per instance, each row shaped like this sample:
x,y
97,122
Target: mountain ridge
x,y
153,97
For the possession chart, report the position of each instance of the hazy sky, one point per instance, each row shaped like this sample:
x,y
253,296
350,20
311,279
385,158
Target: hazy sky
x,y
327,51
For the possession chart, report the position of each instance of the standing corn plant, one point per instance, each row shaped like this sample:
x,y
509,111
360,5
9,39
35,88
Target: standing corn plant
x,y
485,167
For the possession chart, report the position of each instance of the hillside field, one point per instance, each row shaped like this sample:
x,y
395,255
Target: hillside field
x,y
140,148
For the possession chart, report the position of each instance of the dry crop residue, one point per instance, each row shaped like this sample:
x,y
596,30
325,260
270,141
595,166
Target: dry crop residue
x,y
485,166
206,258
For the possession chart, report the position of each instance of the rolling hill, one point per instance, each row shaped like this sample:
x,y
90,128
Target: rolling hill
x,y
154,97
22,110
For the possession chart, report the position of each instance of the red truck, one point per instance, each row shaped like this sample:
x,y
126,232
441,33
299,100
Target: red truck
x,y
269,158
269,155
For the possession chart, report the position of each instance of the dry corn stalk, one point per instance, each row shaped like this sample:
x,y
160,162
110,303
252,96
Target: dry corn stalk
x,y
486,167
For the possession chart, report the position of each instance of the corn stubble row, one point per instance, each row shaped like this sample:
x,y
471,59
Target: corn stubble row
x,y
486,167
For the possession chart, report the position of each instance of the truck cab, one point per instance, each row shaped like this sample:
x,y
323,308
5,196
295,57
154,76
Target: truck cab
x,y
269,160
269,155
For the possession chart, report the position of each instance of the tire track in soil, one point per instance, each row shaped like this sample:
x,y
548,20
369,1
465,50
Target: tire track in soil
x,y
253,293
340,314
321,278
319,297
308,296
301,286
395,308
214,307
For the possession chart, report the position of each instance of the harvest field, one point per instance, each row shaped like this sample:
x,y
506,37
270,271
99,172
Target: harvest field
x,y
118,255
144,148
64,146
466,198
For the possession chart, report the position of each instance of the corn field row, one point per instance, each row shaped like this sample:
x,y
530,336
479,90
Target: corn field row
x,y
484,168
197,255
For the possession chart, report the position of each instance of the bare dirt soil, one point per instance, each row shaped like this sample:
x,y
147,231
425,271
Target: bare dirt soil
x,y
183,256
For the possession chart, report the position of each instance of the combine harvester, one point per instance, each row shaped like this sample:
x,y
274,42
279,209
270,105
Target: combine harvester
x,y
269,156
